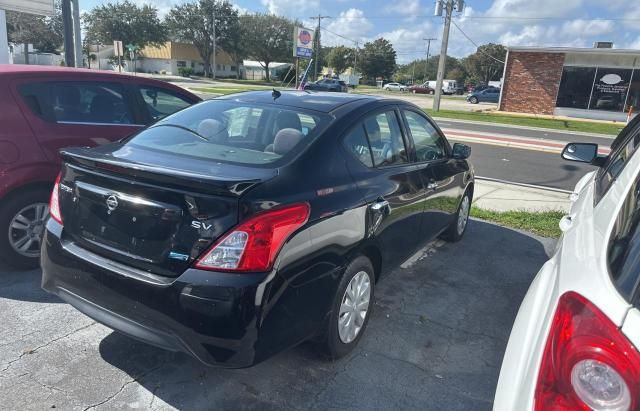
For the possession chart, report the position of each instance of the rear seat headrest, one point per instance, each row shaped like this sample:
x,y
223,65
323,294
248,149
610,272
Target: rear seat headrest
x,y
285,140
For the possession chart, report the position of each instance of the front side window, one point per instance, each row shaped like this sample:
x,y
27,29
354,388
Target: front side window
x,y
385,139
160,103
624,245
621,152
430,145
241,133
78,102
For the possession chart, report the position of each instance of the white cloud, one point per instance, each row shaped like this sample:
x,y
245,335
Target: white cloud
x,y
587,28
408,42
351,24
537,8
409,8
289,7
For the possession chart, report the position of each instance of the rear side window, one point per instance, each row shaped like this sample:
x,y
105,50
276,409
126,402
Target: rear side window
x,y
356,143
622,150
160,103
385,139
624,245
78,102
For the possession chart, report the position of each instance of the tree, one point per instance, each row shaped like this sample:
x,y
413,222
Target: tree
x,y
486,63
132,24
378,59
45,33
340,58
193,23
267,38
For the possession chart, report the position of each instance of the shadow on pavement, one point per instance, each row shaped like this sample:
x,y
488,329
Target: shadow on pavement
x,y
23,286
435,341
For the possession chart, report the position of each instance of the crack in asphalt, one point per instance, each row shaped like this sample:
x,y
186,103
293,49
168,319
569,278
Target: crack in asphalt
x,y
34,350
344,368
123,386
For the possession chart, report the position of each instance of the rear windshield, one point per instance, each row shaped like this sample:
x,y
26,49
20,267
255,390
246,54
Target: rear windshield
x,y
243,133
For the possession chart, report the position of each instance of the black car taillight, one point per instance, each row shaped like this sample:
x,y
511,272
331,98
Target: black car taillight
x,y
254,244
54,202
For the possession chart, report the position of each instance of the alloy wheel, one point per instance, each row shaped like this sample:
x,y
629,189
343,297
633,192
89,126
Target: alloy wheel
x,y
354,307
463,215
26,229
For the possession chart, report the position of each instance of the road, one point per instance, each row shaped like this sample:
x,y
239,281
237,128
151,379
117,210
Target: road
x,y
534,165
435,341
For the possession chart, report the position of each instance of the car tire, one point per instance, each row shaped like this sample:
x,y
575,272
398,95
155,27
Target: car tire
x,y
345,328
474,100
30,210
458,226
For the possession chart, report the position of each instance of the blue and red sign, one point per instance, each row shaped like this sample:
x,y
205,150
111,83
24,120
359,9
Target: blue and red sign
x,y
303,39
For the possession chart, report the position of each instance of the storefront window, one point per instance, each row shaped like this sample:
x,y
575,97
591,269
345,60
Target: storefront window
x,y
610,89
634,93
575,87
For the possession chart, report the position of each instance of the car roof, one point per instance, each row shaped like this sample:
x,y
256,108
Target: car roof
x,y
310,100
18,70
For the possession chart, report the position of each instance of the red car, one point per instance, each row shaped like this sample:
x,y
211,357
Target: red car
x,y
421,89
43,109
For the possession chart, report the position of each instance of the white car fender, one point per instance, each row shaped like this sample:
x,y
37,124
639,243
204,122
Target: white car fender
x,y
527,341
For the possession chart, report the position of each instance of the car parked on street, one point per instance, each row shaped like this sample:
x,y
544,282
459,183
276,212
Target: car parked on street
x,y
247,224
421,89
488,95
394,87
574,344
328,84
47,108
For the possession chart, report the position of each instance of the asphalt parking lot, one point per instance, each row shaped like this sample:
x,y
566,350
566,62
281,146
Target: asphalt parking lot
x,y
435,341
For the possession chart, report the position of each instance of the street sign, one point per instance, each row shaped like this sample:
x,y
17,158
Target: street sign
x,y
41,7
302,42
118,51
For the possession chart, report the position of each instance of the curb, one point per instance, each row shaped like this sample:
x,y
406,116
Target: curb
x,y
525,185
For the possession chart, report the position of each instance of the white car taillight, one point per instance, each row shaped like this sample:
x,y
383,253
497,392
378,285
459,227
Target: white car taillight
x,y
54,202
255,243
587,364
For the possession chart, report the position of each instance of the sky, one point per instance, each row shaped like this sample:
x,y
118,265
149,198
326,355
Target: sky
x,y
405,23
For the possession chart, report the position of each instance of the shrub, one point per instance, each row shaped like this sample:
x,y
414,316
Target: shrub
x,y
185,71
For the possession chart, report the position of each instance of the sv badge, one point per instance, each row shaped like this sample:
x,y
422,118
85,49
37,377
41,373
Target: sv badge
x,y
201,224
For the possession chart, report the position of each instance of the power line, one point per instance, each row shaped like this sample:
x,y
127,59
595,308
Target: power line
x,y
474,43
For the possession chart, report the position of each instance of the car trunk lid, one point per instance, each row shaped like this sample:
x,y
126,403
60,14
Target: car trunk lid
x,y
141,209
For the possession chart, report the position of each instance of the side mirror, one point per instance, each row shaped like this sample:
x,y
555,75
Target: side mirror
x,y
461,151
582,152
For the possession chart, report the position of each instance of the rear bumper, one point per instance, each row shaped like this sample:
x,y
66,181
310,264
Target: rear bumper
x,y
213,317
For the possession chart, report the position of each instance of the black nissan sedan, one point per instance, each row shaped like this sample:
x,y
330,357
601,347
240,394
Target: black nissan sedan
x,y
245,225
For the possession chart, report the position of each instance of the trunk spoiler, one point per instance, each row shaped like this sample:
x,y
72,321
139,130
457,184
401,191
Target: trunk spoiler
x,y
242,179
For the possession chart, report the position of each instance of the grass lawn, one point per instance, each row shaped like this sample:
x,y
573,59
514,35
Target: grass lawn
x,y
564,125
544,223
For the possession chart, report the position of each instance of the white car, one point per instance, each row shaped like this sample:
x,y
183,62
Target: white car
x,y
395,87
574,342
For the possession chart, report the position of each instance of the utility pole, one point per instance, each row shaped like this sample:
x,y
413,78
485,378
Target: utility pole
x,y
448,8
213,24
320,18
77,34
355,59
67,23
426,63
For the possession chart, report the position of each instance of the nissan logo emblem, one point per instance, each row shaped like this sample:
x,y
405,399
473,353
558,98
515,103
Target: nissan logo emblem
x,y
112,202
